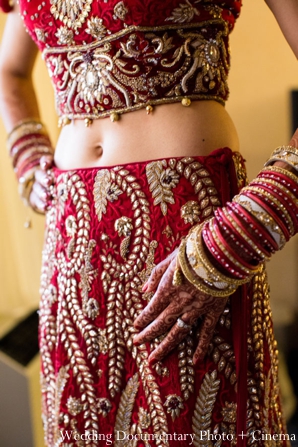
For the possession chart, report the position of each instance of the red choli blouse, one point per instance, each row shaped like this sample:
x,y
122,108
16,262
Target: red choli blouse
x,y
107,56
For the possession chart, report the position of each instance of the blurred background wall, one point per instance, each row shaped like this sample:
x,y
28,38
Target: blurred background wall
x,y
20,248
264,70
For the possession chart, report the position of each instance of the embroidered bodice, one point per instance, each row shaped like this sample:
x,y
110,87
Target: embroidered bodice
x,y
108,56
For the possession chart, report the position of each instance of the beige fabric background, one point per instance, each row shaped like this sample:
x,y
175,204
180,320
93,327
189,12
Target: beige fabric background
x,y
263,71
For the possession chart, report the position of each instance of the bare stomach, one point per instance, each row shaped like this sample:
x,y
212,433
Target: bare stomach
x,y
170,131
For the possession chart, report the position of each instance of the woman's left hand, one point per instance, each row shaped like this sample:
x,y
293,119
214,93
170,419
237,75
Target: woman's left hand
x,y
176,309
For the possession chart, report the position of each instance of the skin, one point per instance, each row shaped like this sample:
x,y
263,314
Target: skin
x,y
171,130
169,303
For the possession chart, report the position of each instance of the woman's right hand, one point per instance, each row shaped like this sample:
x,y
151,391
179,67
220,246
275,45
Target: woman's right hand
x,y
41,191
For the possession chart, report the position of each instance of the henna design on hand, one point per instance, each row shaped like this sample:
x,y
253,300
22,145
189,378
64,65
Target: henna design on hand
x,y
168,304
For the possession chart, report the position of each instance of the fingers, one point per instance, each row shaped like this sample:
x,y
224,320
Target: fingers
x,y
160,325
294,139
180,329
39,198
156,274
41,191
206,334
173,338
161,299
46,162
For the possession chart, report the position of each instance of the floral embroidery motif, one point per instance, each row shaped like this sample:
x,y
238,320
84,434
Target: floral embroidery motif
x,y
104,406
96,28
214,10
162,179
65,36
174,405
120,11
229,412
124,228
104,191
72,13
74,406
184,13
41,34
91,309
161,182
190,212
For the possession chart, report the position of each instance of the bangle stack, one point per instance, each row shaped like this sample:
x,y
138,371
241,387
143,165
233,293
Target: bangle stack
x,y
27,143
227,250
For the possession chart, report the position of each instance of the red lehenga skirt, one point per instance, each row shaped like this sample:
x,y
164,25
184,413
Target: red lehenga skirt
x,y
107,228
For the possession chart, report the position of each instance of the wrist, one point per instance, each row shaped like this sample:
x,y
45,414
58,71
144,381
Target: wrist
x,y
27,142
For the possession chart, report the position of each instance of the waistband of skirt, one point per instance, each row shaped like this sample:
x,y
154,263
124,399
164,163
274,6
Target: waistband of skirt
x,y
222,155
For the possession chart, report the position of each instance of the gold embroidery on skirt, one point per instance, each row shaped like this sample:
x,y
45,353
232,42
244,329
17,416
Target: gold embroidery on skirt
x,y
185,365
201,422
164,175
240,169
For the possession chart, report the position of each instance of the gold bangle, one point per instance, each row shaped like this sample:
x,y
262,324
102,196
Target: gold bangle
x,y
23,128
178,275
263,217
286,149
238,229
202,259
288,154
194,280
199,267
280,207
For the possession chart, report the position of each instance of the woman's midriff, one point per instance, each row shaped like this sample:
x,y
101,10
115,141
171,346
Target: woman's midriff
x,y
171,130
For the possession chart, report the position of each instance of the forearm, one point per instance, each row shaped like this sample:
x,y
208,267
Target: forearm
x,y
286,14
17,99
228,250
17,58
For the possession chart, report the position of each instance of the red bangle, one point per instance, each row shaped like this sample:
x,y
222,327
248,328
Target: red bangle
x,y
239,260
232,209
263,239
224,222
285,200
282,178
285,188
270,211
28,163
217,253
